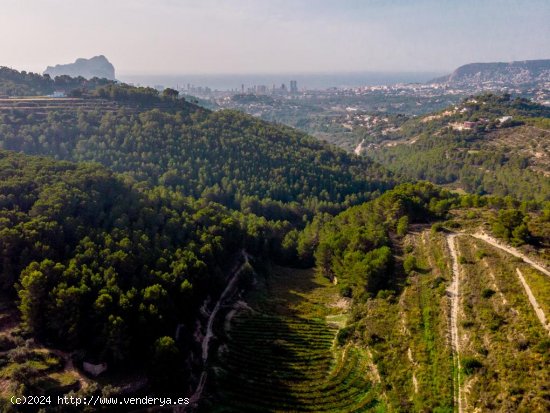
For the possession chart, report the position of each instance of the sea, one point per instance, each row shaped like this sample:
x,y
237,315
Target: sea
x,y
309,81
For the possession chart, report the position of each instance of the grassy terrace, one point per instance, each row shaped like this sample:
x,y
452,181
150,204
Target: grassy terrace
x,y
408,334
504,349
540,286
281,356
428,324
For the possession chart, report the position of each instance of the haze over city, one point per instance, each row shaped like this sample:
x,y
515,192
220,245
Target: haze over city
x,y
245,36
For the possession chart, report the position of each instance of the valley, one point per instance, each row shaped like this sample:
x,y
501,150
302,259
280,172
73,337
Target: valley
x,y
281,352
460,310
250,267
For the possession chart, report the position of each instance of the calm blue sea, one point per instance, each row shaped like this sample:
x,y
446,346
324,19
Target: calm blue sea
x,y
309,81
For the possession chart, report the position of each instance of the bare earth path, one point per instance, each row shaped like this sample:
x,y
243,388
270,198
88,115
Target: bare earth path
x,y
538,310
193,400
453,293
533,301
510,250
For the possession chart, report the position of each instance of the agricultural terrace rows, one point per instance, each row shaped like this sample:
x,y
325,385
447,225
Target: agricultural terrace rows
x,y
281,354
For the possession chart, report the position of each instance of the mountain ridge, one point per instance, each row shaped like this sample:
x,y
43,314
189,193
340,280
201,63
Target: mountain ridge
x,y
517,72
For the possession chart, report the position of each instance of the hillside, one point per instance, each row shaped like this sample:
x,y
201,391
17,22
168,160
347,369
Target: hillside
x,y
108,270
97,66
487,144
442,312
224,156
145,277
527,72
15,83
410,307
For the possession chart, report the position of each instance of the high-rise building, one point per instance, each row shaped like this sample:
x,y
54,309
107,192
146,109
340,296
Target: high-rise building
x,y
293,86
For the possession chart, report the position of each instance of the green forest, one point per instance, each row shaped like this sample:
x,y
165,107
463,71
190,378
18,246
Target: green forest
x,y
15,83
99,264
223,156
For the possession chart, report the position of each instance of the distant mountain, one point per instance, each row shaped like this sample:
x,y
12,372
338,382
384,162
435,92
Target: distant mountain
x,y
515,73
97,66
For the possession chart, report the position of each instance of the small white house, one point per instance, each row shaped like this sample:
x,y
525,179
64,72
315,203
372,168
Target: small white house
x,y
58,94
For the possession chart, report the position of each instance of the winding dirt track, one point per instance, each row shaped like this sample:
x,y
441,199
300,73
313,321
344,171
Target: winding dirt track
x,y
510,250
453,292
193,400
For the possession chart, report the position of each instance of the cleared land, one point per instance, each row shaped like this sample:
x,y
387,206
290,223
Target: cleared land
x,y
23,362
281,354
454,295
408,333
504,348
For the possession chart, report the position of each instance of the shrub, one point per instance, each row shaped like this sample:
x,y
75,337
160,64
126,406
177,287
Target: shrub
x,y
24,373
496,322
481,254
409,264
453,224
344,335
6,343
543,346
402,226
19,355
470,365
483,351
487,293
522,344
384,294
437,227
346,291
437,282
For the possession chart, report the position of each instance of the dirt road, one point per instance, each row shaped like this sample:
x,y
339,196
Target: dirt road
x,y
193,400
510,250
453,293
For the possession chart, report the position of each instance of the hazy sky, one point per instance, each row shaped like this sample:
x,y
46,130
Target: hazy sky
x,y
250,36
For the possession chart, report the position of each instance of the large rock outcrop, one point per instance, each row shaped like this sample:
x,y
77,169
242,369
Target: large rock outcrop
x,y
97,66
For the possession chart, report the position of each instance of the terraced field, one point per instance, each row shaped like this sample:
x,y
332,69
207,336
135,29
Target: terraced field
x,y
408,332
42,106
281,355
504,347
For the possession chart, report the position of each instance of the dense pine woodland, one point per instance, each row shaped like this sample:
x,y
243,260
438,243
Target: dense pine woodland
x,y
224,156
125,211
98,264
